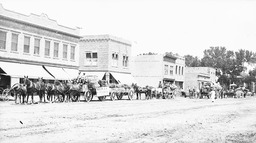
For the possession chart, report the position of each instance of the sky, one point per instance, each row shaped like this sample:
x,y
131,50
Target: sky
x,y
177,26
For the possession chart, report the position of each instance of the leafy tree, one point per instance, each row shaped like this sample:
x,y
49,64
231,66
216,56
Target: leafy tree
x,y
191,61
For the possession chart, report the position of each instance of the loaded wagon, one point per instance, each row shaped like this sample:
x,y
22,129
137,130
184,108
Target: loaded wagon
x,y
99,88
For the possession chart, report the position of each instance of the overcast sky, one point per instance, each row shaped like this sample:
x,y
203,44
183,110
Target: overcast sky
x,y
178,26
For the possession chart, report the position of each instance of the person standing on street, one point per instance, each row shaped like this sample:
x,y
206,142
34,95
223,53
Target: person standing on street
x,y
212,93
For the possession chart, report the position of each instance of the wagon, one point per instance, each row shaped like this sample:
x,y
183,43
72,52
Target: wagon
x,y
103,92
121,90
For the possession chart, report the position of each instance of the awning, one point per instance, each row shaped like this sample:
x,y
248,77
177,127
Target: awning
x,y
98,74
21,70
124,78
58,73
72,73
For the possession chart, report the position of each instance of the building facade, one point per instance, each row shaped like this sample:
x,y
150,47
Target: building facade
x,y
36,46
196,76
150,69
106,56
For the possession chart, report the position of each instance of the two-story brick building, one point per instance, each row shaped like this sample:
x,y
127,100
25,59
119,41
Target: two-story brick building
x,y
150,69
106,56
36,46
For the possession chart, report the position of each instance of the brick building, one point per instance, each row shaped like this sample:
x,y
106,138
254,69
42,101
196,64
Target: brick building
x,y
196,76
150,69
36,46
106,56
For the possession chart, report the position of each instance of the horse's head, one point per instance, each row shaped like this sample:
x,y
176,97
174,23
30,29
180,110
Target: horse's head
x,y
26,81
40,79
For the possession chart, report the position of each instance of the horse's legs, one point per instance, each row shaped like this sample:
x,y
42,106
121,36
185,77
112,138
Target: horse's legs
x,y
27,97
15,98
32,97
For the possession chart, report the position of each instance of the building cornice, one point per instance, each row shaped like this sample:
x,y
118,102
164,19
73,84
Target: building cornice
x,y
40,21
107,38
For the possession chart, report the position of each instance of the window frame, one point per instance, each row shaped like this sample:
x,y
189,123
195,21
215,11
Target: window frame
x,y
91,58
72,52
25,46
37,46
13,43
65,52
3,41
56,46
47,49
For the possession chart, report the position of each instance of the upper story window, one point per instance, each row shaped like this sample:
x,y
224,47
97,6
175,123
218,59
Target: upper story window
x,y
91,59
65,51
176,69
26,44
165,69
72,53
2,40
179,70
14,45
37,46
114,59
125,61
56,50
171,70
182,70
47,48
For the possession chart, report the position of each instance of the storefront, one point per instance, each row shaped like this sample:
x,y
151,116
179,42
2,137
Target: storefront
x,y
12,73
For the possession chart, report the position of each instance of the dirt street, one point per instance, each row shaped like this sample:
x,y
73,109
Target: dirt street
x,y
179,120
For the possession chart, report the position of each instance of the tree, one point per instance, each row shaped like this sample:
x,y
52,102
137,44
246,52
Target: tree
x,y
191,61
214,57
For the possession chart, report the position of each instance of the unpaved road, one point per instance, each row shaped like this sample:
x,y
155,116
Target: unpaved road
x,y
177,120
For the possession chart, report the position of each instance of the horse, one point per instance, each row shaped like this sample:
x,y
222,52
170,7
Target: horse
x,y
40,86
136,89
61,90
18,90
31,88
204,92
74,91
50,91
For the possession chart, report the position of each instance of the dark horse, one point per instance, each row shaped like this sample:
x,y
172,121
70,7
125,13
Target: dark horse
x,y
18,90
50,90
61,89
38,87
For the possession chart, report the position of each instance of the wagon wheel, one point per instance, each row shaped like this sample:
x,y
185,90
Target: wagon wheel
x,y
119,96
102,98
165,95
113,96
1,90
48,97
130,95
5,95
88,96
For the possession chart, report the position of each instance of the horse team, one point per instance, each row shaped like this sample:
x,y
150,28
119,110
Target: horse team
x,y
54,92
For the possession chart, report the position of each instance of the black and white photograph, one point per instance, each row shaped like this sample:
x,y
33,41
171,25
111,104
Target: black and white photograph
x,y
128,71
